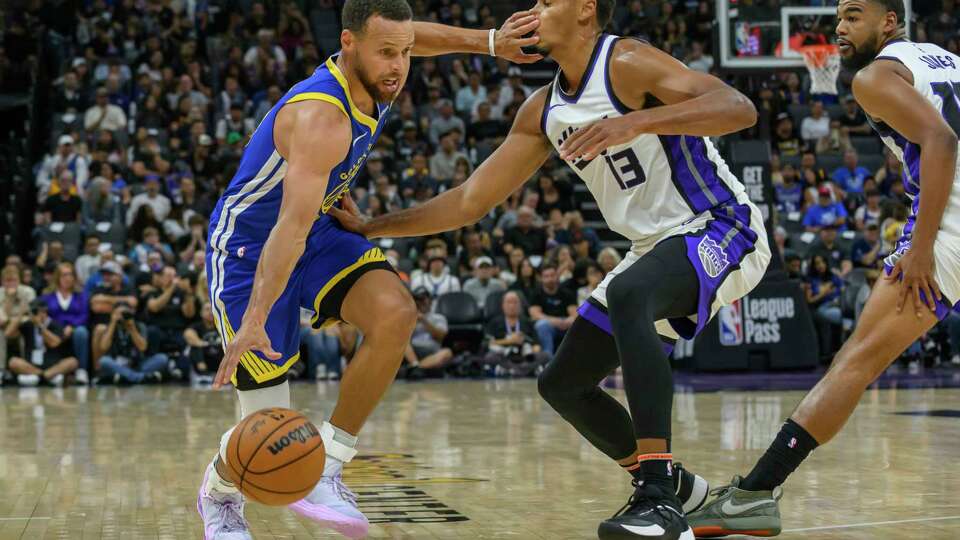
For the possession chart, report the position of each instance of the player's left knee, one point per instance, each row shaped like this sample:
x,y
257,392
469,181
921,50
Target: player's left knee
x,y
395,316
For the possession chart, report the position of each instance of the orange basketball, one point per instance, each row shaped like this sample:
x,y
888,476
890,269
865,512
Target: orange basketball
x,y
275,456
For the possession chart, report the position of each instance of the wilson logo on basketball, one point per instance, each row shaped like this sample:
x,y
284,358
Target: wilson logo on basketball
x,y
299,434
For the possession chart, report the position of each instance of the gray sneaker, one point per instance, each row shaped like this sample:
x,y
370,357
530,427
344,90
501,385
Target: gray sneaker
x,y
222,514
736,511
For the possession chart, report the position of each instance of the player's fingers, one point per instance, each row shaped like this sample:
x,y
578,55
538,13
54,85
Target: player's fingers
x,y
527,58
585,143
571,142
917,302
574,143
525,26
936,289
929,299
268,351
597,145
902,297
519,15
526,42
222,376
350,205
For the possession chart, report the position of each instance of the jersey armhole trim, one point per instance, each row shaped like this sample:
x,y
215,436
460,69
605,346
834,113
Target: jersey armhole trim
x,y
546,110
620,106
320,96
894,58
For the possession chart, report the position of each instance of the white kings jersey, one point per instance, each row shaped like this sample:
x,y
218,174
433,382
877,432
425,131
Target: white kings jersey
x,y
936,76
647,189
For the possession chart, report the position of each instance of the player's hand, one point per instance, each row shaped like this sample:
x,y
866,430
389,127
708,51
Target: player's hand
x,y
349,216
251,337
587,143
508,40
916,269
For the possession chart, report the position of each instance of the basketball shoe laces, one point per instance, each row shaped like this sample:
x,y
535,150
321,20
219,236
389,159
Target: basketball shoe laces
x,y
640,497
232,517
341,489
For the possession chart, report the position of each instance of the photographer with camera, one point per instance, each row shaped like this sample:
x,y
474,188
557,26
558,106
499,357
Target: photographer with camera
x,y
170,307
512,344
204,345
47,355
121,346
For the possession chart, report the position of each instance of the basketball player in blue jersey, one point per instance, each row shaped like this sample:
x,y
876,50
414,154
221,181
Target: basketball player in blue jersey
x,y
632,122
274,250
911,94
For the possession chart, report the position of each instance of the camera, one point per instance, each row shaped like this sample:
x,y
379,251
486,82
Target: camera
x,y
125,311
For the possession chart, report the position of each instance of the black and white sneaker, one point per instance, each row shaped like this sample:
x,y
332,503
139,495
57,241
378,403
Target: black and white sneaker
x,y
691,489
650,514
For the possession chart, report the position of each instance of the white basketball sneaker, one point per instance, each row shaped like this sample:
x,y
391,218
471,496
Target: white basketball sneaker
x,y
222,513
331,503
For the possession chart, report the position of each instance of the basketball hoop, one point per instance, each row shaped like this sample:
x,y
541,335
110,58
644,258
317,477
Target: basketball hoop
x,y
823,63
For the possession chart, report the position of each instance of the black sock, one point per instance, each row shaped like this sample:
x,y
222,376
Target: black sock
x,y
658,471
792,445
635,471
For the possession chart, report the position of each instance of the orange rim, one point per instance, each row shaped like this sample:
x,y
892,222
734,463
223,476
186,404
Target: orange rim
x,y
818,54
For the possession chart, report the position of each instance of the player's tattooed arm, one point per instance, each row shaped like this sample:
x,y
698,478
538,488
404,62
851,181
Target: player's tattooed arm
x,y
694,103
432,39
510,165
885,91
304,184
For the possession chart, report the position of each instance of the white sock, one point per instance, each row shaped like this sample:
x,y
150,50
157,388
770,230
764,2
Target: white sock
x,y
339,446
215,482
252,401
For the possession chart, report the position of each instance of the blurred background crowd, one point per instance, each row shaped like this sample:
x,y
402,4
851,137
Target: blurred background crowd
x,y
138,111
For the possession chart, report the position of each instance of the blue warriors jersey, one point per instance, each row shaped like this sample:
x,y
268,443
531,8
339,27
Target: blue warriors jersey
x,y
250,205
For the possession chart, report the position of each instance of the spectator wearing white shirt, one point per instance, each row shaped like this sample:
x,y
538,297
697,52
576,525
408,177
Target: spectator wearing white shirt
x,y
104,115
151,197
65,158
265,55
482,284
698,61
817,125
445,122
472,93
437,280
234,122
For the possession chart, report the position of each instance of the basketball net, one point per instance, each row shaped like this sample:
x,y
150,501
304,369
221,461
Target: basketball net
x,y
823,63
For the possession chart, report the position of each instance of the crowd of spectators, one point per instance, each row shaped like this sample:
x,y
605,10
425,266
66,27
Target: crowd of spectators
x,y
152,103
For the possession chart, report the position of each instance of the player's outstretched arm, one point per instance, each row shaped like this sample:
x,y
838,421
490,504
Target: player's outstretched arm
x,y
885,91
694,103
521,154
432,39
304,185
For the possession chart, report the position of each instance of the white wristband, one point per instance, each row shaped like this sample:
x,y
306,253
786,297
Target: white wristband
x,y
490,39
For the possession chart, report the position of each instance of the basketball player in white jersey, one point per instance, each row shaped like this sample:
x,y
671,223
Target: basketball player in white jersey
x,y
632,122
911,93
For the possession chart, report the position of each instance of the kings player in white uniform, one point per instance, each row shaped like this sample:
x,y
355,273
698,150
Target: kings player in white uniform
x,y
632,122
911,94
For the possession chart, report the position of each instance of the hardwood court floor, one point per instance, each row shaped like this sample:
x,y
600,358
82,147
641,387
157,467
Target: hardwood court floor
x,y
461,460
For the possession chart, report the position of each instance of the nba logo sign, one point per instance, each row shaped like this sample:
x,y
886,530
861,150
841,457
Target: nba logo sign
x,y
731,324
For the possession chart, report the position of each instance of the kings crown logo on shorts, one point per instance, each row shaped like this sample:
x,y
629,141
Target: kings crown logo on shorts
x,y
712,256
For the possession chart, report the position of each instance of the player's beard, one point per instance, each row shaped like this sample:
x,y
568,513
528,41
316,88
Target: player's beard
x,y
371,87
862,55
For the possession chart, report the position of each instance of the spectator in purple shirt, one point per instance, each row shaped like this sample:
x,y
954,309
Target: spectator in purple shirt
x,y
68,306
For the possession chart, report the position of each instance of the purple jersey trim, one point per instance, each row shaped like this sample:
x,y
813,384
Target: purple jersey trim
x,y
586,73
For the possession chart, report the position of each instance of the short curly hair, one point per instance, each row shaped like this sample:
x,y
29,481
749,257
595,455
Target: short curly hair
x,y
357,12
